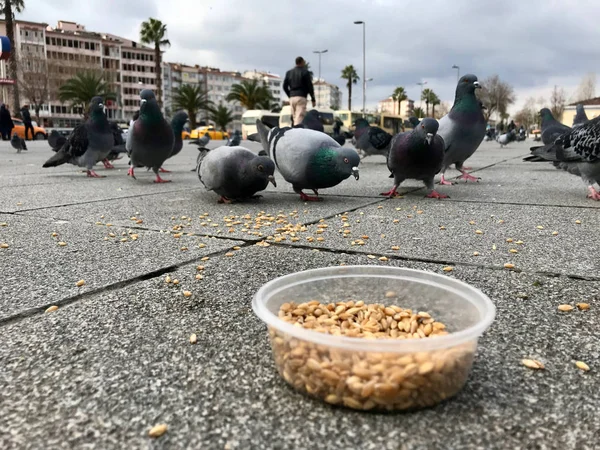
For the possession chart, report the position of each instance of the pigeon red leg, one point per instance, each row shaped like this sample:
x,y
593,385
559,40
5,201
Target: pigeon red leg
x,y
443,181
130,173
391,192
436,194
224,199
92,174
161,170
467,168
467,176
161,180
308,198
593,193
107,164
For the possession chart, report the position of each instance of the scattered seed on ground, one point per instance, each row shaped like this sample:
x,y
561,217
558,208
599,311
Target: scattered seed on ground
x,y
583,306
583,366
193,338
187,294
565,308
532,364
52,309
158,430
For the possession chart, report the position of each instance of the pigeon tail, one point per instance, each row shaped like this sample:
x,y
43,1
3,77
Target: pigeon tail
x,y
254,137
263,131
56,160
546,152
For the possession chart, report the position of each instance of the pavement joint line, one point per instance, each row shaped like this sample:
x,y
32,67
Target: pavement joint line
x,y
548,274
30,312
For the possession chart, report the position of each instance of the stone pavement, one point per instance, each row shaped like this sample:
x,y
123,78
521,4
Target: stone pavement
x,y
115,358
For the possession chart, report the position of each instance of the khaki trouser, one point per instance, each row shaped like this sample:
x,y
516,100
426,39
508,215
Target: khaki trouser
x,y
298,105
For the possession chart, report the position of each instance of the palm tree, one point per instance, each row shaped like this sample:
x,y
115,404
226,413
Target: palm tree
x,y
426,96
349,73
399,95
153,32
251,95
418,113
307,67
434,100
84,86
221,116
192,99
8,8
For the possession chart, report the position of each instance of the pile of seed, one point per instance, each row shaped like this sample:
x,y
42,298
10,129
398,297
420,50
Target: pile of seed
x,y
369,380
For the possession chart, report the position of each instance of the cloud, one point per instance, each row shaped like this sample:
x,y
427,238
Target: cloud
x,y
532,44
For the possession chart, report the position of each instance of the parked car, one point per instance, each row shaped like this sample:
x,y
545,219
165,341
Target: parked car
x,y
214,134
39,133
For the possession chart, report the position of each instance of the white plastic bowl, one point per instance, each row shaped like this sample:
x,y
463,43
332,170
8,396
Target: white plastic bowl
x,y
376,374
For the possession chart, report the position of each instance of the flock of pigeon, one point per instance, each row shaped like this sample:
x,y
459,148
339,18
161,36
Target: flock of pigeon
x,y
309,159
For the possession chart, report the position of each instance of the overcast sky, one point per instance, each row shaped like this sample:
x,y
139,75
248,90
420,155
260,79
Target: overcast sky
x,y
532,44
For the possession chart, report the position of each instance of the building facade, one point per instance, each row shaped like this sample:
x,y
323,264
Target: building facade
x,y
591,106
389,106
329,96
272,80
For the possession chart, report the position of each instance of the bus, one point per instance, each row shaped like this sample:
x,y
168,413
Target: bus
x,y
269,118
327,119
388,122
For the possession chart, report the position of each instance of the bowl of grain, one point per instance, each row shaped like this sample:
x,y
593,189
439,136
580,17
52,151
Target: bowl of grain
x,y
372,337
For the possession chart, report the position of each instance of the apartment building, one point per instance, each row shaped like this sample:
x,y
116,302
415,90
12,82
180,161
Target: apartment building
x,y
328,95
390,106
272,80
69,48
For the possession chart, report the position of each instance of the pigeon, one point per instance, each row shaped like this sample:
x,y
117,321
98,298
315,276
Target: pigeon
x,y
312,121
507,138
578,152
580,116
236,139
88,143
118,146
235,173
56,140
414,121
201,142
340,139
370,140
18,143
417,155
552,129
308,159
177,123
463,128
150,139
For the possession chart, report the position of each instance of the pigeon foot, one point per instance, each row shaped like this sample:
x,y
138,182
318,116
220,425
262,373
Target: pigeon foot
x,y
308,198
107,164
224,199
161,180
443,182
161,170
593,194
436,194
390,193
467,168
92,174
468,177
130,173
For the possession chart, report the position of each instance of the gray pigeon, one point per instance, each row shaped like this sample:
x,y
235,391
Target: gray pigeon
x,y
18,143
507,138
118,146
414,121
370,140
312,121
463,128
203,141
552,129
177,123
308,159
580,116
417,155
150,139
235,173
56,140
236,139
88,143
578,152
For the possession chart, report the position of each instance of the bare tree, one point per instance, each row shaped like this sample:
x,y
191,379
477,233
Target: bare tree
x,y
558,100
442,109
496,95
528,115
586,89
34,80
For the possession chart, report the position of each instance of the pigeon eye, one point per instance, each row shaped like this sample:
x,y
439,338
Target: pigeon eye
x,y
422,126
260,167
346,160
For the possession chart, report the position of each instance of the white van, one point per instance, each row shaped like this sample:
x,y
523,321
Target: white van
x,y
327,119
269,118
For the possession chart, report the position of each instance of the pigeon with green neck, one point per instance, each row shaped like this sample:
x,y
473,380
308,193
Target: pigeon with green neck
x,y
150,139
308,159
417,155
88,143
463,128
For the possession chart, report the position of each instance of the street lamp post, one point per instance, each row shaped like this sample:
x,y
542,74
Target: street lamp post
x,y
457,72
361,22
422,83
320,52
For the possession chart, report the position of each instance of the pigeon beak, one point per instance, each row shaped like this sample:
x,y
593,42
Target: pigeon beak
x,y
272,180
429,138
476,84
355,172
142,101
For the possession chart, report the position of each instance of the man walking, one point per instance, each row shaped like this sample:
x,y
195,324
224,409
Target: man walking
x,y
27,121
298,85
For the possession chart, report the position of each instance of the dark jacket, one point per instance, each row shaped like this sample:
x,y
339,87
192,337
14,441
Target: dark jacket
x,y
6,123
298,83
25,115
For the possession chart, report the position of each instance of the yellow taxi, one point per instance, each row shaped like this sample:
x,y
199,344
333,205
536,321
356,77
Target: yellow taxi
x,y
39,133
214,134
